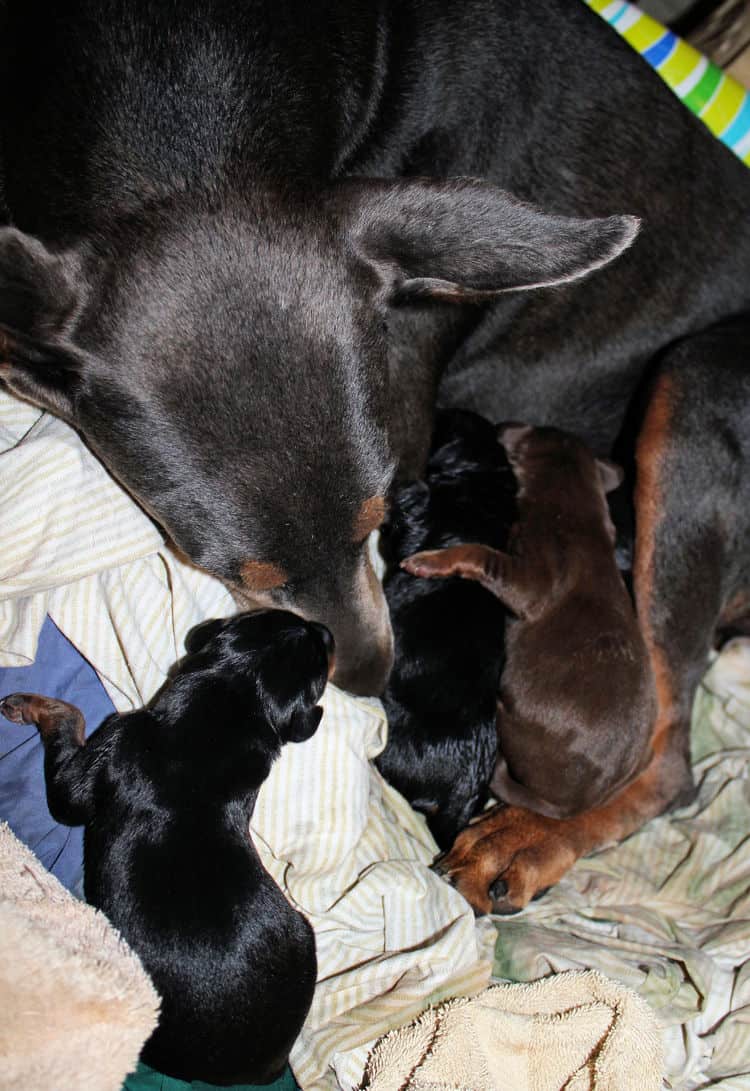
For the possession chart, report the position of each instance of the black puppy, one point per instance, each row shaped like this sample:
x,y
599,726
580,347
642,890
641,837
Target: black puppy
x,y
166,794
442,694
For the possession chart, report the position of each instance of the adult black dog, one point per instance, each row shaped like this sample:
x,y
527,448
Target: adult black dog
x,y
241,265
441,697
166,794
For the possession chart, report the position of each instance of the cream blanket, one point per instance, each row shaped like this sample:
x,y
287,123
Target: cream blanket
x,y
572,1032
76,1004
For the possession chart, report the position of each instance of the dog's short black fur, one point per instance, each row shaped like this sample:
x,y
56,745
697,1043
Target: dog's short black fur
x,y
442,693
213,260
166,794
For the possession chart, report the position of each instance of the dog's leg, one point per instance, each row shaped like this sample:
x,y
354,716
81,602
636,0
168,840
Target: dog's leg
x,y
692,537
66,758
503,575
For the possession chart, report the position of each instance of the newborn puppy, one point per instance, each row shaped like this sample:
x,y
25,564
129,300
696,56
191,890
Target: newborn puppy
x,y
577,700
441,694
166,794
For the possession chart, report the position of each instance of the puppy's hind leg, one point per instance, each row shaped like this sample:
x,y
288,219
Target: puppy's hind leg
x,y
67,769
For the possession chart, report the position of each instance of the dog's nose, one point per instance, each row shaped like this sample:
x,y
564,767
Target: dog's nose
x,y
330,645
365,678
327,636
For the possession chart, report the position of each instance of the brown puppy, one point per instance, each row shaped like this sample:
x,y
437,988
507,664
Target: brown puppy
x,y
577,700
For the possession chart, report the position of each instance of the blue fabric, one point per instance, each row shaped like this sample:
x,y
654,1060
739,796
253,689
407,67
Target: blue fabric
x,y
659,51
58,671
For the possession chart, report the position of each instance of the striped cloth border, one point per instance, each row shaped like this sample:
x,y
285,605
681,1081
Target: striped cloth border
x,y
719,101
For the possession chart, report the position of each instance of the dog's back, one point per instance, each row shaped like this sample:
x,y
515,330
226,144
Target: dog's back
x,y
442,691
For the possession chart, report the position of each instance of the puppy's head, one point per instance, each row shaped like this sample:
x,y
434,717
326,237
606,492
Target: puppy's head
x,y
277,659
554,465
231,361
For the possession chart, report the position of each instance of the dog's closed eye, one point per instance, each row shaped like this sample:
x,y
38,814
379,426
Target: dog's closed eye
x,y
369,517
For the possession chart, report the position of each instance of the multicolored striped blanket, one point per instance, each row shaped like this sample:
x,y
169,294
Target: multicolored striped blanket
x,y
720,102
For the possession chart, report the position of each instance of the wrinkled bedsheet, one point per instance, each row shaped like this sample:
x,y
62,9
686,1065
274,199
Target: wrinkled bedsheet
x,y
668,911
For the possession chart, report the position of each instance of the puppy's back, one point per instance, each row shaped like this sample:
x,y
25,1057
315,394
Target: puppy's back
x,y
577,692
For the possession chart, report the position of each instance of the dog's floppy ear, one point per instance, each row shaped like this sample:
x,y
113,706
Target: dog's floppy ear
x,y
290,681
302,724
465,240
39,296
610,474
200,635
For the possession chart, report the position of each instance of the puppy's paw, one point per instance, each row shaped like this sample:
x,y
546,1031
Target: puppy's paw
x,y
16,707
507,859
427,564
48,713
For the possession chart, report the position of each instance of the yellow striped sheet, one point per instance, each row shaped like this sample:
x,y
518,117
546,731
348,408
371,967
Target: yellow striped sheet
x,y
721,111
644,33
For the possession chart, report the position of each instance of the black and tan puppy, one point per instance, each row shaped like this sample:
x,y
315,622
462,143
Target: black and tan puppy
x,y
166,794
577,698
442,691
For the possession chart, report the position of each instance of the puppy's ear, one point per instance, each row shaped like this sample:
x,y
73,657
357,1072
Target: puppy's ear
x,y
610,474
466,241
302,724
200,635
39,298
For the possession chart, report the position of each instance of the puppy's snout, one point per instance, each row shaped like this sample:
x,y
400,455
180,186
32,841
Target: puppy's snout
x,y
330,644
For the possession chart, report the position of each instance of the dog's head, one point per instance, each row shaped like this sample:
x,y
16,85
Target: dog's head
x,y
229,361
276,660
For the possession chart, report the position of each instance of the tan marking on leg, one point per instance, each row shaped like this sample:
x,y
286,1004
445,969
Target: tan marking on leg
x,y
649,509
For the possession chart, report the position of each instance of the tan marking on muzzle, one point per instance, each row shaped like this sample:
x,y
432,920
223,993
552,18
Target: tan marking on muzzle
x,y
369,517
262,576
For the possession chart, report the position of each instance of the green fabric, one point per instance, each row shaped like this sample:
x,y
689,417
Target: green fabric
x,y
148,1079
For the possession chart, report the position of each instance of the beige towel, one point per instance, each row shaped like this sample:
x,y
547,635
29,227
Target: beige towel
x,y
75,1003
572,1032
